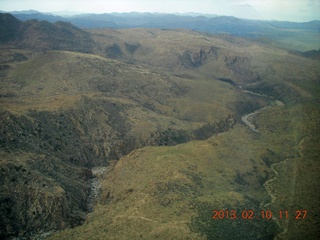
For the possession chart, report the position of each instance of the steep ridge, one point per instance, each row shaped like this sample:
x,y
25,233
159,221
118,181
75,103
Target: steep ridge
x,y
42,35
9,27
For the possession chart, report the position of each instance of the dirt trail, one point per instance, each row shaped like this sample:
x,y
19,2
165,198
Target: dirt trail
x,y
273,102
268,184
268,187
285,225
245,119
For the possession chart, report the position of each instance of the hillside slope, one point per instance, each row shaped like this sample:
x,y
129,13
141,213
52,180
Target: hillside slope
x,y
235,60
161,109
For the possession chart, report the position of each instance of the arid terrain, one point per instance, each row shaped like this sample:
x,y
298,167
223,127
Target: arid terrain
x,y
143,133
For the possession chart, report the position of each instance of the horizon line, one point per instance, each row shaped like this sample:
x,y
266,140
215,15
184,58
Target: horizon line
x,y
195,14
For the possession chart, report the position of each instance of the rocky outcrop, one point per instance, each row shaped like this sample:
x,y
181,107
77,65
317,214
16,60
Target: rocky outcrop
x,y
240,65
193,59
44,176
40,193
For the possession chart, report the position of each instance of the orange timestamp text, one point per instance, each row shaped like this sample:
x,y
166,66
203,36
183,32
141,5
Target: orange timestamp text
x,y
249,214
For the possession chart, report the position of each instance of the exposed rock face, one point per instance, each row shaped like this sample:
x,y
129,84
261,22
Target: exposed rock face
x,y
43,187
193,59
196,58
36,198
240,65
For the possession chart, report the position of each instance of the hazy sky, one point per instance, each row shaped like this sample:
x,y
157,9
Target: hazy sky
x,y
291,10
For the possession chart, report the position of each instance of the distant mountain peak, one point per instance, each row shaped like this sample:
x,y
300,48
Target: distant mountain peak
x,y
31,11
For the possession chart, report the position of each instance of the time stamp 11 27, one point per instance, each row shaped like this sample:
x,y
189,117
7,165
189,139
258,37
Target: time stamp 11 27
x,y
263,214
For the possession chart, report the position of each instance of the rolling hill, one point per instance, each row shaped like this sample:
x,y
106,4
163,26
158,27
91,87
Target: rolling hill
x,y
137,134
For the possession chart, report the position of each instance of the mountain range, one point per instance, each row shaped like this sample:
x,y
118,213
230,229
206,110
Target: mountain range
x,y
149,133
298,36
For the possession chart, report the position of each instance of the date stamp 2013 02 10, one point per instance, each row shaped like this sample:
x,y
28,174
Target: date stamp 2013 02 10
x,y
249,214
